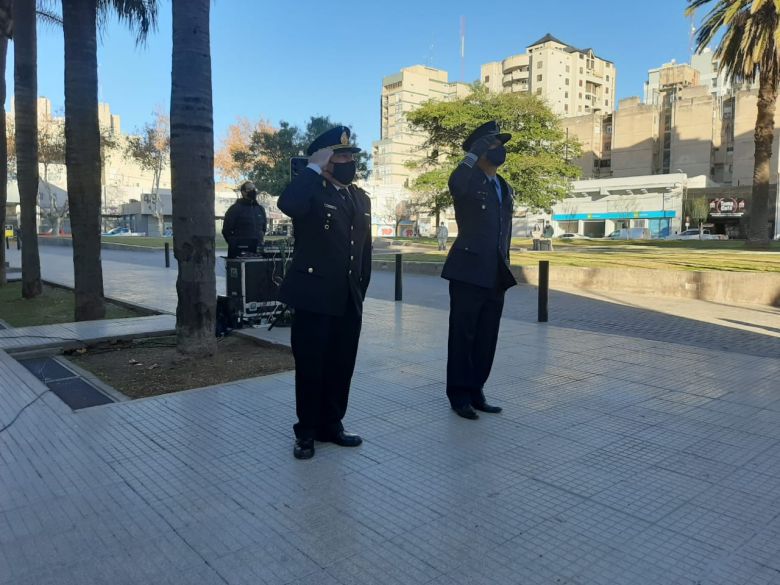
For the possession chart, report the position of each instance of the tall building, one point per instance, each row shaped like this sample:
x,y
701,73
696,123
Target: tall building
x,y
403,93
668,79
573,81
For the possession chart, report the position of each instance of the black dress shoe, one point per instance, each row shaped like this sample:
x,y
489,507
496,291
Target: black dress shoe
x,y
466,412
485,407
304,448
342,439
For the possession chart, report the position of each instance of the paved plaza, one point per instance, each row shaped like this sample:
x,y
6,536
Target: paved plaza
x,y
622,457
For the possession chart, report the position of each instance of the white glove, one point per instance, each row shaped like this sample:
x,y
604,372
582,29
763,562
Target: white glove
x,y
321,158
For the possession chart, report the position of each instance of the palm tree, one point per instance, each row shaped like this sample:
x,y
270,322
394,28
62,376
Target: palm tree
x,y
26,120
747,51
192,177
82,136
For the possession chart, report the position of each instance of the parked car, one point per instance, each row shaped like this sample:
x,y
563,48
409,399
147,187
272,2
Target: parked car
x,y
571,236
119,231
634,233
693,234
168,233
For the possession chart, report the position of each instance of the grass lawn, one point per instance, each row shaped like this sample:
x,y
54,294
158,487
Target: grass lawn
x,y
55,305
729,255
144,242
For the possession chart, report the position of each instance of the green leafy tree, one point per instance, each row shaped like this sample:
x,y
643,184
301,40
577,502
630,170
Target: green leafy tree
x,y
537,156
269,153
747,32
151,149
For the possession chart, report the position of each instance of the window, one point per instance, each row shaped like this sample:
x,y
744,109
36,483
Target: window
x,y
607,77
580,82
566,108
606,102
567,81
487,78
566,95
538,78
538,91
607,91
539,64
567,69
580,70
580,95
582,56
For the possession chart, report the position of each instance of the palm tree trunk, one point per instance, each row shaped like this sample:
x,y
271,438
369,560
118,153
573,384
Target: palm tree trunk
x,y
3,154
26,116
82,154
758,229
192,178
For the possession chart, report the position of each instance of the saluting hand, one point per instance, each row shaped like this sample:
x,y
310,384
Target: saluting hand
x,y
321,158
481,146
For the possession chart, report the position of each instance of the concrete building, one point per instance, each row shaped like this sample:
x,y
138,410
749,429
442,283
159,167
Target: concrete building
x,y
669,78
573,81
596,208
402,93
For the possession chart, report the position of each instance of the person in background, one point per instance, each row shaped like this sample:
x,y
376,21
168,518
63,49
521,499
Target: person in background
x,y
442,234
245,223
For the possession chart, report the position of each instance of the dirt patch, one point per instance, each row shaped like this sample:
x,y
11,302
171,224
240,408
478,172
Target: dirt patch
x,y
152,366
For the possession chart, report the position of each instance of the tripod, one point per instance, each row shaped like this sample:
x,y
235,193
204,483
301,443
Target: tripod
x,y
278,314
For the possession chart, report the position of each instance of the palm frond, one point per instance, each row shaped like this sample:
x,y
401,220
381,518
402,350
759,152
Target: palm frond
x,y
139,15
49,17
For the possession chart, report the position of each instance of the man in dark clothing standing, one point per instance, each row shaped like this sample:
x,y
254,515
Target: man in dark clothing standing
x,y
245,223
326,284
477,268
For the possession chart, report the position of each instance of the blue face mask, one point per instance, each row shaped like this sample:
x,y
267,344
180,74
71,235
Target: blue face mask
x,y
496,156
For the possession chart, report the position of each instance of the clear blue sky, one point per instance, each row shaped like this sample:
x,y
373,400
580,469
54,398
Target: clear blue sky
x,y
289,60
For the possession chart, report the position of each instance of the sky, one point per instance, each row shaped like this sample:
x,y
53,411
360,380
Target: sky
x,y
291,60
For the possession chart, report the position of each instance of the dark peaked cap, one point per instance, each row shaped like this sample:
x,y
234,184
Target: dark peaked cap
x,y
489,129
336,138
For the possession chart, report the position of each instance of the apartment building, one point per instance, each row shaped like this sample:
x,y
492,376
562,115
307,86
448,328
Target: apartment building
x,y
402,93
573,81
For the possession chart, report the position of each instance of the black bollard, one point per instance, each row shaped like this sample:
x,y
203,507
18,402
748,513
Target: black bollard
x,y
399,285
167,255
18,243
7,244
544,289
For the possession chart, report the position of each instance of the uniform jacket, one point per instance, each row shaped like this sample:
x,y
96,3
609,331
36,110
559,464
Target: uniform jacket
x,y
480,253
332,256
245,219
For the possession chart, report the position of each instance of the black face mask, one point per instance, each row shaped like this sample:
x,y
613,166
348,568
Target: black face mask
x,y
252,195
496,156
344,173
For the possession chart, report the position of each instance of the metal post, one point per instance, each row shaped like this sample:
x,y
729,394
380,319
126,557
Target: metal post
x,y
544,288
399,285
18,243
167,255
7,244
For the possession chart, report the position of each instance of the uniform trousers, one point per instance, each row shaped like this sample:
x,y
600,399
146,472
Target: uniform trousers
x,y
324,348
475,316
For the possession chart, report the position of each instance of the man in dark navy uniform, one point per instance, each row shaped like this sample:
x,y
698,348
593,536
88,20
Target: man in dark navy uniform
x,y
477,268
326,284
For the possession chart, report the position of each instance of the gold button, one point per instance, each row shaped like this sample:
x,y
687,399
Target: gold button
x,y
352,242
352,227
351,257
311,270
329,215
483,207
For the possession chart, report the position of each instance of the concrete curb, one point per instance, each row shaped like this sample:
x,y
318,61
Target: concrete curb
x,y
717,287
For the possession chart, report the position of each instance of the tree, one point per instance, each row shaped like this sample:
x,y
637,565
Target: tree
x,y
151,150
51,151
233,160
698,209
269,154
432,194
747,32
192,178
26,120
537,156
82,136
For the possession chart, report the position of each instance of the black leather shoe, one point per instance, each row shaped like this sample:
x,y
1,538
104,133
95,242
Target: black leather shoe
x,y
466,412
485,407
304,448
342,439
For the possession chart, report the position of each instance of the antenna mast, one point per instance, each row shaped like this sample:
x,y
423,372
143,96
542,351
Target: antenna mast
x,y
462,48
